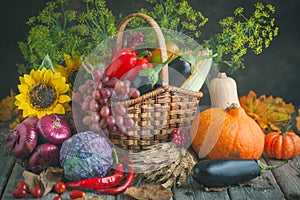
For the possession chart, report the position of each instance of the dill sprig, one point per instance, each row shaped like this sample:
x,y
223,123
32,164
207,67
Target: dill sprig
x,y
48,34
240,33
175,15
58,30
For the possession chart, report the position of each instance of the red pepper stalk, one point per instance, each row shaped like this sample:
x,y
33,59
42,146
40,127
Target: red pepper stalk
x,y
102,182
127,183
124,61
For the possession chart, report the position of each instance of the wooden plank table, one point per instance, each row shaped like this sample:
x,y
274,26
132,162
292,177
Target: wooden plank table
x,y
282,183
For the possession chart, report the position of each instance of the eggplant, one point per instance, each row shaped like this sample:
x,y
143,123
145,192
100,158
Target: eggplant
x,y
142,83
179,71
228,171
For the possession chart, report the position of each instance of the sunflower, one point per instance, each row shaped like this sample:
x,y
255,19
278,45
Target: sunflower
x,y
43,92
70,71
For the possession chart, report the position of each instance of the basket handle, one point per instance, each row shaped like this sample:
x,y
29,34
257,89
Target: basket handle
x,y
160,39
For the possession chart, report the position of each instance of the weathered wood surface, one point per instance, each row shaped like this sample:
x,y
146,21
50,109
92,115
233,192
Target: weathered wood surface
x,y
282,183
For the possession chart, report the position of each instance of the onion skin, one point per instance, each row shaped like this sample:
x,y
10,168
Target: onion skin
x,y
54,128
71,121
43,156
32,121
21,140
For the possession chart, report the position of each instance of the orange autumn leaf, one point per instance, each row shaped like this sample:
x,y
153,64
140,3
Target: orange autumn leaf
x,y
270,113
255,108
280,113
298,120
7,107
253,105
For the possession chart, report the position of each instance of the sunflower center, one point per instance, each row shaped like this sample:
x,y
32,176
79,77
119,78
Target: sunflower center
x,y
43,96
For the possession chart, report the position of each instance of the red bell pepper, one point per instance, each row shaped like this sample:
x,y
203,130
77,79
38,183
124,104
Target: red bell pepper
x,y
127,63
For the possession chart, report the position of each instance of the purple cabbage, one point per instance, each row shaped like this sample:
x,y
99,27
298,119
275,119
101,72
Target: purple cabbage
x,y
85,155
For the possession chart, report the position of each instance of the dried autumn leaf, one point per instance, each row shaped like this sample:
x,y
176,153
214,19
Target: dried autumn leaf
x,y
272,114
51,176
281,112
7,107
298,121
254,106
153,192
45,180
88,197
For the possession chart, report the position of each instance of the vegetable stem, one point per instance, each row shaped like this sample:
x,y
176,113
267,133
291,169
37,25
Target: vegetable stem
x,y
154,72
115,156
265,167
143,54
283,132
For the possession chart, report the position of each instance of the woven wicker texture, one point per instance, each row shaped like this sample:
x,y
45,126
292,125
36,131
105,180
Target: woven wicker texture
x,y
157,113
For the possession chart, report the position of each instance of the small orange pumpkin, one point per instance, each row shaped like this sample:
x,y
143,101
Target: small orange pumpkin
x,y
282,145
226,133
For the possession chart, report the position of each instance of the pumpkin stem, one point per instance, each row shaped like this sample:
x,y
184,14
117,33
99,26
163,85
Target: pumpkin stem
x,y
283,132
222,75
233,105
264,167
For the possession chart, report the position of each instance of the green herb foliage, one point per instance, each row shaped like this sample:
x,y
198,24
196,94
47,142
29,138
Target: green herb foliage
x,y
58,30
240,33
176,15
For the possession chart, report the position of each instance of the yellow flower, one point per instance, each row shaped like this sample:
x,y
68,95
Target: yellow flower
x,y
71,69
43,92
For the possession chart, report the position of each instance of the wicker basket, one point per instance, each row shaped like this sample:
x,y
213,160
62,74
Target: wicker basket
x,y
157,113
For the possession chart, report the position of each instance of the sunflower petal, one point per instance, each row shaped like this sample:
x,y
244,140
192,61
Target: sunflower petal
x,y
67,107
48,75
28,80
64,98
24,106
62,70
59,109
25,113
41,113
36,75
62,88
29,112
22,97
22,81
23,88
59,79
17,102
69,62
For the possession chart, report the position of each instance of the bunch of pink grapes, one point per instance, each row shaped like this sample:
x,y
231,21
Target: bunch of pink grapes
x,y
101,99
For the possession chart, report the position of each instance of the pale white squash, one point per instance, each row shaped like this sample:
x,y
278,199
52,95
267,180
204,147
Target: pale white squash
x,y
223,91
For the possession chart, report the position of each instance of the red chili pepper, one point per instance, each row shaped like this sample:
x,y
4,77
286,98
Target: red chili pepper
x,y
101,182
124,60
128,182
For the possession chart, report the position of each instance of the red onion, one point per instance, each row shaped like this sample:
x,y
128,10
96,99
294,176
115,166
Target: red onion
x,y
43,156
54,128
69,117
21,140
32,121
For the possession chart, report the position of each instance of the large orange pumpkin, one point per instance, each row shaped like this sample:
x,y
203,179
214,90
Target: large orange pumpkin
x,y
282,145
226,133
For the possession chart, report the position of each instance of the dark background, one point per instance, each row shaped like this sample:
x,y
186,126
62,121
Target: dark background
x,y
275,72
